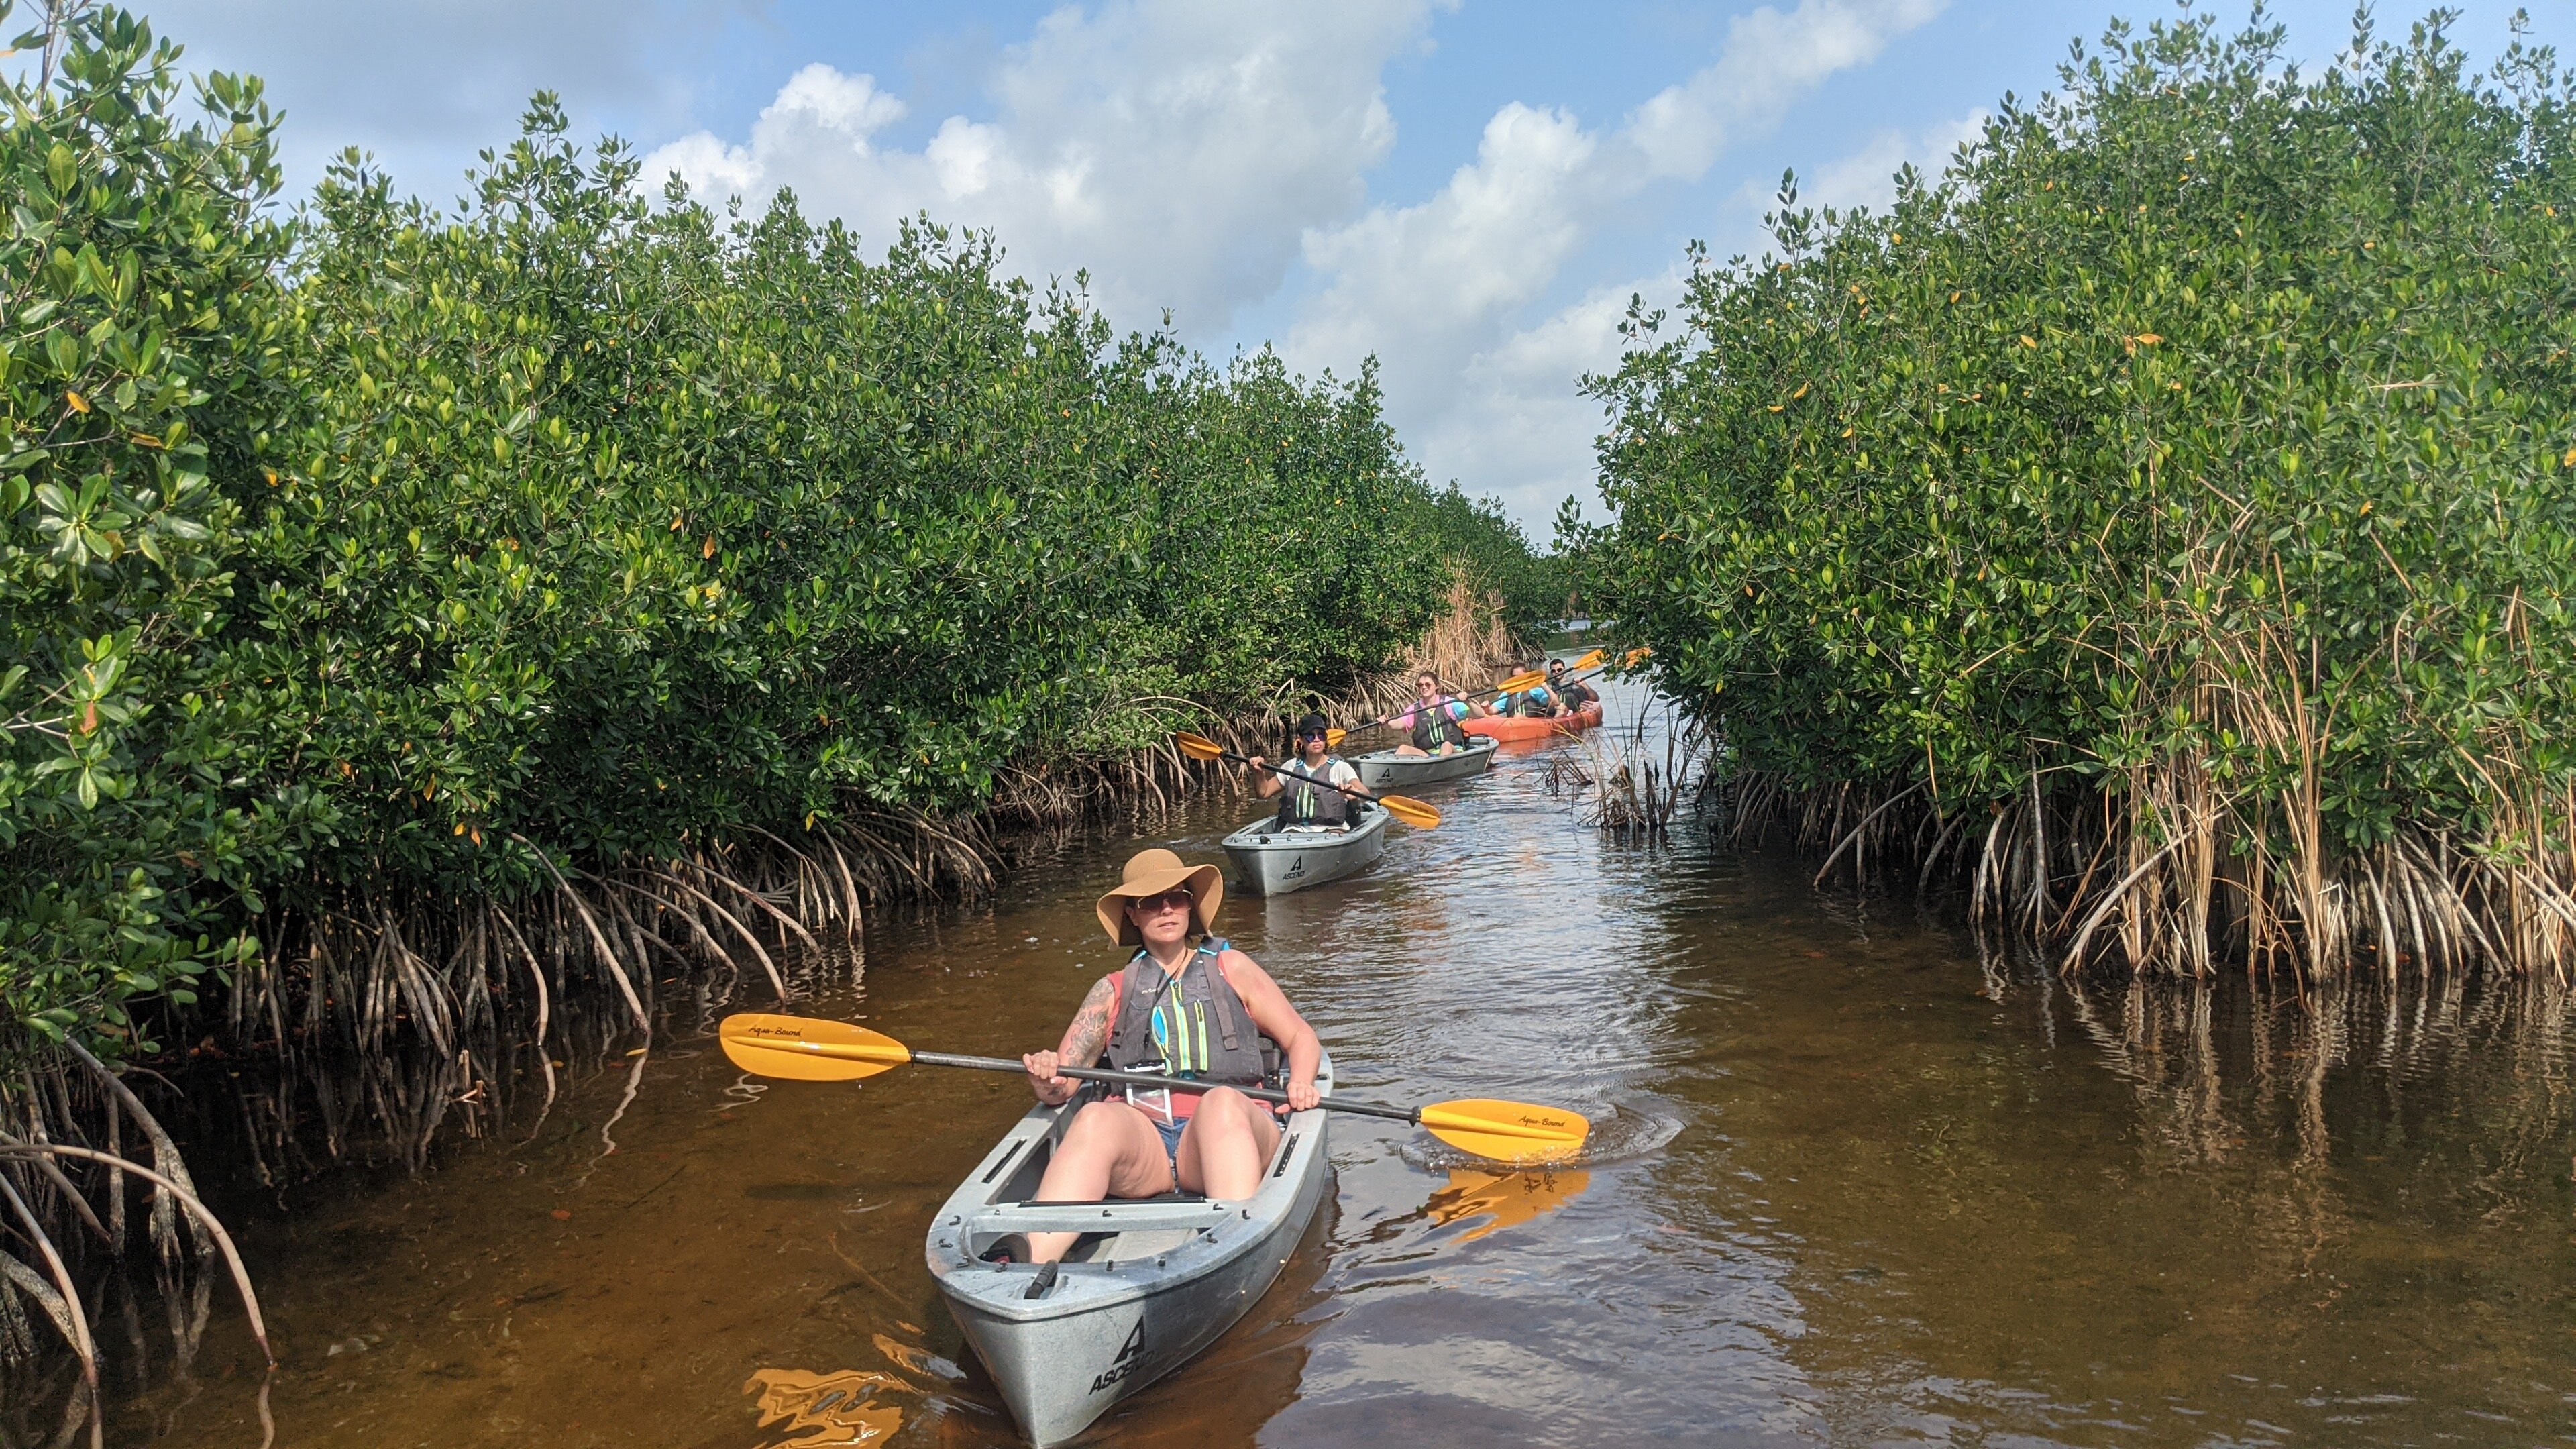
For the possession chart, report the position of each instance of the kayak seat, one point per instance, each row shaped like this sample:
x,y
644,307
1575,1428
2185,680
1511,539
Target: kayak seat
x,y
1012,1249
1115,1201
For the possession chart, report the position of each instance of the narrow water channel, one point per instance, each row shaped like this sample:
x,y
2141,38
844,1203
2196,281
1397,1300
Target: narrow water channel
x,y
1864,1187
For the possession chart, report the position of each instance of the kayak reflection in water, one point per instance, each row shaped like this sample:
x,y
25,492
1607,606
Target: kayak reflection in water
x,y
1433,719
1187,1004
1308,797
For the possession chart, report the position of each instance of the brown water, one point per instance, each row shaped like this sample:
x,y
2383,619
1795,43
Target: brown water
x,y
1860,1188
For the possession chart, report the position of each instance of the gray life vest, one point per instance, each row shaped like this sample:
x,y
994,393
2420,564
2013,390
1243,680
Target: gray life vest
x,y
1191,1025
1537,702
1307,797
1433,727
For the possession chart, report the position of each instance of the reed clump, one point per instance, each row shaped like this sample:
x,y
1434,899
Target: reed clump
x,y
2159,519
1643,775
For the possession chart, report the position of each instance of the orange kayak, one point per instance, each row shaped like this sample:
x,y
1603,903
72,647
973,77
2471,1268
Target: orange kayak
x,y
1517,728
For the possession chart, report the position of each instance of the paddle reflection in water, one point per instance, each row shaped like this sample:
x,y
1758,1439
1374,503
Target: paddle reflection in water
x,y
1490,1201
817,1410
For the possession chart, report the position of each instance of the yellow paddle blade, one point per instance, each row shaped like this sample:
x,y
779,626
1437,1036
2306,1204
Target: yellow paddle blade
x,y
1526,679
1333,738
1198,747
804,1049
1590,658
1411,811
1508,1131
1640,652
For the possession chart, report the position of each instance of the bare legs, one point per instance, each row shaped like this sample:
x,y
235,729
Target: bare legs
x,y
1227,1145
1112,1150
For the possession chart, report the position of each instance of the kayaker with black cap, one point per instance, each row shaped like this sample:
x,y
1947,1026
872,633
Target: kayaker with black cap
x,y
1187,1004
1309,800
1432,721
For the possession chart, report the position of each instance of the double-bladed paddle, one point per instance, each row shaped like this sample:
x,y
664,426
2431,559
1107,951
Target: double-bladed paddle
x,y
805,1049
1526,679
1627,661
1403,807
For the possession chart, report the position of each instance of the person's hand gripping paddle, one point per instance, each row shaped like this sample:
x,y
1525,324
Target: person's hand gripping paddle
x,y
805,1049
1403,807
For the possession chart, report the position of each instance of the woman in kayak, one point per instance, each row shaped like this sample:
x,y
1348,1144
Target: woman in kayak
x,y
1312,785
1187,1004
1432,722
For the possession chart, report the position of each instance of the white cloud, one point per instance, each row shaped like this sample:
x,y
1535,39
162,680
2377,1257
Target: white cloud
x,y
1867,177
1518,428
1770,60
1176,150
1411,284
1438,290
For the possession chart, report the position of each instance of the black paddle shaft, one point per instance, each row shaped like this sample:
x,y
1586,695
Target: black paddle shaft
x,y
1175,1084
1282,771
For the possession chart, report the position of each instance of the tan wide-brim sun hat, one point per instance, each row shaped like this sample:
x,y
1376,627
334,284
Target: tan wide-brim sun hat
x,y
1150,873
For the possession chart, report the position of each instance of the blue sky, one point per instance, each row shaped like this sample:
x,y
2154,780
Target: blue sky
x,y
1469,190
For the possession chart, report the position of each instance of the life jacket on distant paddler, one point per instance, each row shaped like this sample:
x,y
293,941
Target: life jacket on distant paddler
x,y
1307,796
1191,1025
1433,728
1535,702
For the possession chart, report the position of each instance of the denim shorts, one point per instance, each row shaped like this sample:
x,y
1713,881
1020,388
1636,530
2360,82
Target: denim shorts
x,y
1172,1140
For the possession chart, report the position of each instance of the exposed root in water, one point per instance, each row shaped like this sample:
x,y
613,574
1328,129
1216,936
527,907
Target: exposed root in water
x,y
2215,1068
38,1189
2165,874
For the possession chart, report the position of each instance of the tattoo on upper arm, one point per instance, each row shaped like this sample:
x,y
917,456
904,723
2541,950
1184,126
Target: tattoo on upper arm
x,y
1088,1037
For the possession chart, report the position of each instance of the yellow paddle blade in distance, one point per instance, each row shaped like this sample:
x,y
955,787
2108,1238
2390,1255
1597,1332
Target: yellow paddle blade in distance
x,y
1640,652
1590,658
1411,811
1526,679
1198,747
1508,1131
805,1049
1333,738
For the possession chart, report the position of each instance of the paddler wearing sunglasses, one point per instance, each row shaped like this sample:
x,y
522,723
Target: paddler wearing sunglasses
x,y
1431,724
1308,799
1187,1004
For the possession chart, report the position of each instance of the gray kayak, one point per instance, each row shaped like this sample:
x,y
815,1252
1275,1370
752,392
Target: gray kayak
x,y
1150,1283
1388,770
1269,862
